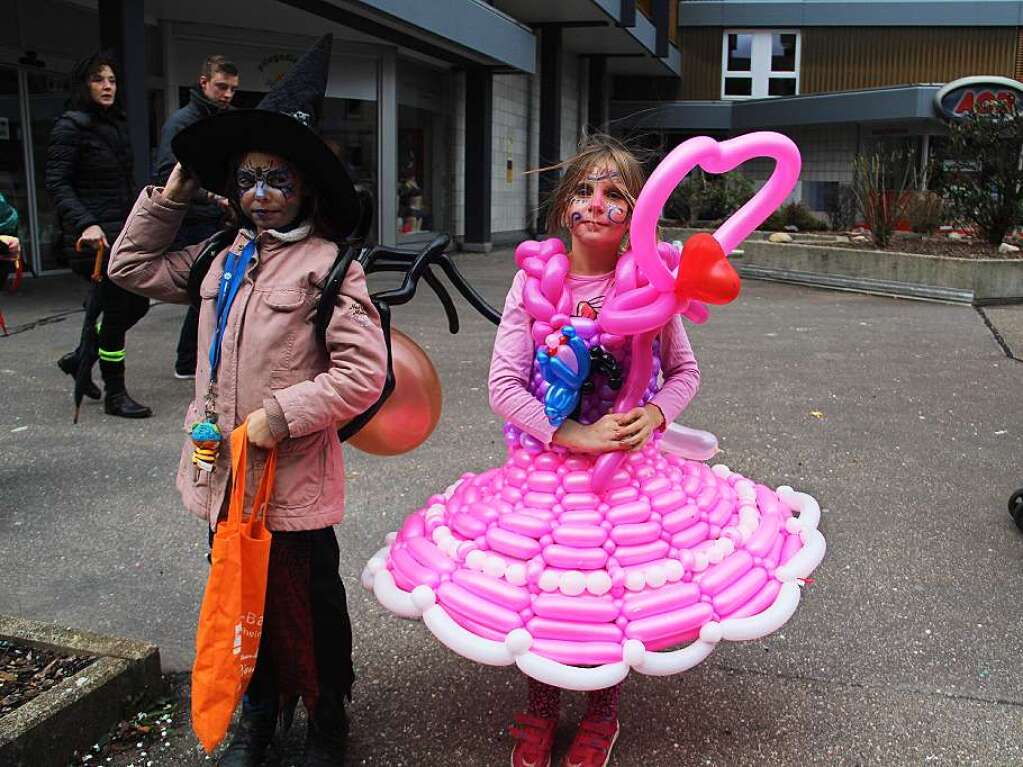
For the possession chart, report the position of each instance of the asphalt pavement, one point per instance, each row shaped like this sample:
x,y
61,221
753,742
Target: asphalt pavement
x,y
901,417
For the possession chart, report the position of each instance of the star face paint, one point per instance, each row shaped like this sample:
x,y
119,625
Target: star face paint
x,y
269,190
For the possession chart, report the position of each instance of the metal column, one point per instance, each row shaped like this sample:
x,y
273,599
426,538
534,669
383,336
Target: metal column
x,y
550,116
479,93
122,29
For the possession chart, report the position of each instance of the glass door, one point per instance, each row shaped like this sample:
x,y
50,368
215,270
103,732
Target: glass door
x,y
47,99
13,176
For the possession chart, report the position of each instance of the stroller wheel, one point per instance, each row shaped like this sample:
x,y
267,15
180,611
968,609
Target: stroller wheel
x,y
1016,508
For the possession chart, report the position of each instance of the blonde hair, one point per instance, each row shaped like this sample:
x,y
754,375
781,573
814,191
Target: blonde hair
x,y
595,151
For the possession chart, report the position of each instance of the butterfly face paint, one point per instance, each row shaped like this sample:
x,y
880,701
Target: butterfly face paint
x,y
269,190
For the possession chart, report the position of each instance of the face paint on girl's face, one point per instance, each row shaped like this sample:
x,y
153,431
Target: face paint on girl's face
x,y
598,210
269,190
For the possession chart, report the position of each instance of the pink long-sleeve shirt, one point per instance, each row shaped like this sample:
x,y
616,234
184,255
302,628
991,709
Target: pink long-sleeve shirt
x,y
512,362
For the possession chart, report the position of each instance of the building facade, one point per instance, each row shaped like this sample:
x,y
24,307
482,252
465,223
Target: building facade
x,y
839,78
440,107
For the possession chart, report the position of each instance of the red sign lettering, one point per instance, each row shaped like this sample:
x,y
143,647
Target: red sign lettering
x,y
984,102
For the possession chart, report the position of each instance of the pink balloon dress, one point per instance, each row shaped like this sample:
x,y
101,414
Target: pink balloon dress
x,y
533,563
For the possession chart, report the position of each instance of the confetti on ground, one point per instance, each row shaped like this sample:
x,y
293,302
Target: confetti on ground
x,y
816,413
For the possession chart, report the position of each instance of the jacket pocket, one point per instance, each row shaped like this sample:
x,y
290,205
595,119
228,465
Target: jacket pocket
x,y
301,466
285,303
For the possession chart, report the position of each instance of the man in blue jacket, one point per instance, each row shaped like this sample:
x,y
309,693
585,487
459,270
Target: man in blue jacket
x,y
217,85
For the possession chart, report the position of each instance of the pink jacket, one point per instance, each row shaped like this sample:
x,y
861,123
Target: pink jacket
x,y
512,362
270,357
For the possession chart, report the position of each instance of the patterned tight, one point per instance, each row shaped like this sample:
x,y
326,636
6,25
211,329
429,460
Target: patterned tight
x,y
545,701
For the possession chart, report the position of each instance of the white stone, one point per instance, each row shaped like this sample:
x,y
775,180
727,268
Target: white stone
x,y
598,583
1007,248
779,237
573,583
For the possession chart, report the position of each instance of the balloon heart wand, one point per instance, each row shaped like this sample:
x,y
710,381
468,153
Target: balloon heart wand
x,y
704,274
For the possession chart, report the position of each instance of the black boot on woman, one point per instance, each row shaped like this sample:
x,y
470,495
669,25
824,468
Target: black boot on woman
x,y
69,364
117,401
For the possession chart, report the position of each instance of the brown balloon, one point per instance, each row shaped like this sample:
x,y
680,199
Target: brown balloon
x,y
410,414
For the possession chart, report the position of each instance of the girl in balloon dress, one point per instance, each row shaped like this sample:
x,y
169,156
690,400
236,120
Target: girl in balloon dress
x,y
593,548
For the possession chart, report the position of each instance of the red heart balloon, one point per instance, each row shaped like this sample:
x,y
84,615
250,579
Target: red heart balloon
x,y
704,273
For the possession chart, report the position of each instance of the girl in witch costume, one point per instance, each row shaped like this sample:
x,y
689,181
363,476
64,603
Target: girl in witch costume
x,y
266,365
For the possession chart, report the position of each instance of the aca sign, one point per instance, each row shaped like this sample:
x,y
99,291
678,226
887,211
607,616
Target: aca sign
x,y
978,95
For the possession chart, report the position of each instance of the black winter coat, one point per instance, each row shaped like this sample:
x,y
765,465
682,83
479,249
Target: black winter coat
x,y
202,216
89,174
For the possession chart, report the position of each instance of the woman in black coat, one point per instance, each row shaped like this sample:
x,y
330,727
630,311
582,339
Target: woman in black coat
x,y
89,177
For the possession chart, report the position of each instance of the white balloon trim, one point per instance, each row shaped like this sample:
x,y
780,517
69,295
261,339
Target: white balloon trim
x,y
422,603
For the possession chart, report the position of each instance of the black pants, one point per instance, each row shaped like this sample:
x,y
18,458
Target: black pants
x,y
188,342
121,310
331,625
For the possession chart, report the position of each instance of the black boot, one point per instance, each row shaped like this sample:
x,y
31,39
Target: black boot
x,y
117,401
252,736
69,364
121,404
328,733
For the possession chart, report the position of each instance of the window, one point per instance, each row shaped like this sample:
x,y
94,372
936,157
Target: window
x,y
759,63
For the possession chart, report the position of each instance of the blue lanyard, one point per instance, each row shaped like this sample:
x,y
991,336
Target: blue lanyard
x,y
231,280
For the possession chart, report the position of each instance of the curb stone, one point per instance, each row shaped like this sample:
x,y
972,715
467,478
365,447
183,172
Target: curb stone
x,y
69,717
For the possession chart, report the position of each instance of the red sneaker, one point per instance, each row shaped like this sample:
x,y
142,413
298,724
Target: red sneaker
x,y
535,736
592,744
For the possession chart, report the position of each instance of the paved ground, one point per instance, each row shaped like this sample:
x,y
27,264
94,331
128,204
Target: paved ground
x,y
906,650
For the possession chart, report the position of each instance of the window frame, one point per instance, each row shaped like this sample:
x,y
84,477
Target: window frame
x,y
760,73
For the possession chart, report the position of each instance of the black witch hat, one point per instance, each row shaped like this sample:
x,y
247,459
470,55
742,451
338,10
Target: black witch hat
x,y
283,124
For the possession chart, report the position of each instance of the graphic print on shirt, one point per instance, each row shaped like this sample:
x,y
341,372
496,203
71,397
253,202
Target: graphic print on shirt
x,y
589,309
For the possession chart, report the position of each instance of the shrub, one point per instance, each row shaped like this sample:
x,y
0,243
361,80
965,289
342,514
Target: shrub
x,y
925,212
841,209
983,180
880,190
702,196
798,215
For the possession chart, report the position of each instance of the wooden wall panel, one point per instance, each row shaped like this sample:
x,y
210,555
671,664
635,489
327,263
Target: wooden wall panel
x,y
701,63
850,58
1019,55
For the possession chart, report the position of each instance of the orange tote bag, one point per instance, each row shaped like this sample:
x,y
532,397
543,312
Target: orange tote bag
x,y
231,617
